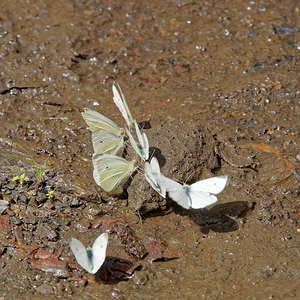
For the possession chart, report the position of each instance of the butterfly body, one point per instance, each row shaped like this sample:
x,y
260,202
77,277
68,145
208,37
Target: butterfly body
x,y
187,191
89,252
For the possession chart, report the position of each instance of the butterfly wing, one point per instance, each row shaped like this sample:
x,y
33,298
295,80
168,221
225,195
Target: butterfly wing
x,y
201,199
97,121
176,191
155,166
143,140
120,102
214,185
81,254
141,149
105,142
133,143
99,251
110,171
152,174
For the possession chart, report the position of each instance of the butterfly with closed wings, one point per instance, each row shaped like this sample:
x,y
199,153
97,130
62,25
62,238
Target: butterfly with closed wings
x,y
153,176
110,171
120,102
90,258
142,147
107,136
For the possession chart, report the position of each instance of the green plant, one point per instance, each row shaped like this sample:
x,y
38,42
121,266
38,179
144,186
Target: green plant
x,y
50,194
195,239
21,179
140,217
39,169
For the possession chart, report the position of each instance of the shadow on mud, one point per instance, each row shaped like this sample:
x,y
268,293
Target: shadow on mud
x,y
115,269
156,152
220,218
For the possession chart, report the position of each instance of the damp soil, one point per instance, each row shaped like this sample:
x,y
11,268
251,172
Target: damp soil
x,y
215,84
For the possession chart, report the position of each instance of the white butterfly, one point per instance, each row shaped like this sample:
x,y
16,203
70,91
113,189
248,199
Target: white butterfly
x,y
153,176
110,171
142,147
107,136
197,195
91,259
122,105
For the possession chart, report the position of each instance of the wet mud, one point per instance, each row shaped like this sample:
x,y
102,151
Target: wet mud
x,y
215,84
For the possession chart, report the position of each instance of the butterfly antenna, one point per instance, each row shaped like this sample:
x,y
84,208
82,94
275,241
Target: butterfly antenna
x,y
139,117
99,197
125,153
138,169
152,154
191,175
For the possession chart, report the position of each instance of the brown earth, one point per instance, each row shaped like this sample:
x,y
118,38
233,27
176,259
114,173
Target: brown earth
x,y
218,82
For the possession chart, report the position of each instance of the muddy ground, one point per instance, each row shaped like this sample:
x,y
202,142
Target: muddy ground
x,y
217,82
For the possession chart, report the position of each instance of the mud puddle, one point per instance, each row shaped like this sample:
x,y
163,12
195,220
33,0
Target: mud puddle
x,y
218,83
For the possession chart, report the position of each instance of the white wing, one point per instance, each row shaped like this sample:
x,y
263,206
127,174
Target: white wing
x,y
202,193
201,199
81,255
105,142
198,195
110,171
99,251
96,121
214,185
176,191
155,166
143,141
152,174
133,143
142,147
122,105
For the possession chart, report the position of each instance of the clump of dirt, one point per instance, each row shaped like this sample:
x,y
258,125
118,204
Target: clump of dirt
x,y
185,152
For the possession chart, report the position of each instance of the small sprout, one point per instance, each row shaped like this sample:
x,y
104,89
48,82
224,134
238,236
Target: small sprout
x,y
20,178
140,217
195,239
39,169
15,178
50,195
